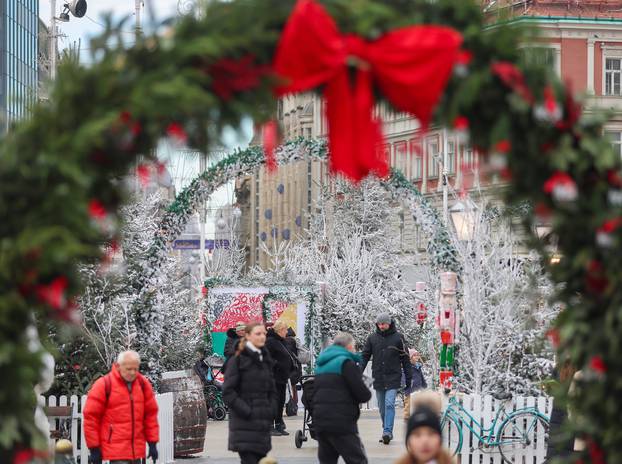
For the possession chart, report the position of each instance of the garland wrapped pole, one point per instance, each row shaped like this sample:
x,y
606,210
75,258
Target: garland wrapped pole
x,y
59,169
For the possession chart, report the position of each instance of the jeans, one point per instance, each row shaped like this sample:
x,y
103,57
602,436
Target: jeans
x,y
386,405
248,457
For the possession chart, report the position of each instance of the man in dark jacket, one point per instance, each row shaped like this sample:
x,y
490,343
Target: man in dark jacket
x,y
389,354
283,369
234,334
338,391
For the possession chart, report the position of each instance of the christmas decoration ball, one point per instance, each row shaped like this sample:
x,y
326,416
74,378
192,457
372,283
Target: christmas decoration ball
x,y
64,447
221,223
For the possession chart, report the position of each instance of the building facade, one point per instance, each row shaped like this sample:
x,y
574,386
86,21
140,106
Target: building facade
x,y
580,41
19,25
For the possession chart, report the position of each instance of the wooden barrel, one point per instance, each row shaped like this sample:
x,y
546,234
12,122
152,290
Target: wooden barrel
x,y
190,411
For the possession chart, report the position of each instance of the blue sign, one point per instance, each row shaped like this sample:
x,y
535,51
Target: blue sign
x,y
188,244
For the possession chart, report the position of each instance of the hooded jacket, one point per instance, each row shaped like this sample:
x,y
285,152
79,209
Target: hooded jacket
x,y
283,364
338,391
248,391
122,423
389,355
231,345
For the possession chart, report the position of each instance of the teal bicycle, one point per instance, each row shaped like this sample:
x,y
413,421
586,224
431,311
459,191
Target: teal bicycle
x,y
511,432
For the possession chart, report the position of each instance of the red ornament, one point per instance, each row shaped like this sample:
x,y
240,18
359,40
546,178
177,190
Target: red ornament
x,y
597,364
53,294
269,133
134,126
461,123
25,456
97,210
144,174
550,102
595,279
464,57
231,76
553,337
614,178
597,455
410,66
561,186
513,78
76,367
204,291
572,111
503,146
176,132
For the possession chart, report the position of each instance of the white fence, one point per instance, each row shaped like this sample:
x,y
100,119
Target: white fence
x,y
484,410
81,452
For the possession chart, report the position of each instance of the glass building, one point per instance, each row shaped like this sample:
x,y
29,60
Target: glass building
x,y
19,22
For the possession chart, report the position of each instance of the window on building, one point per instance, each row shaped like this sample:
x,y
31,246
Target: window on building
x,y
401,153
468,160
613,75
539,56
416,155
432,154
615,137
451,157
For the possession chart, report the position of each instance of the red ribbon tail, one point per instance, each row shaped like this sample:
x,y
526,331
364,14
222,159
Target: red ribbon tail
x,y
269,132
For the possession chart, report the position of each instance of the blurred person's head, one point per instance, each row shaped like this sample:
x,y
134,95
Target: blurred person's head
x,y
255,333
423,435
383,321
240,329
345,340
280,328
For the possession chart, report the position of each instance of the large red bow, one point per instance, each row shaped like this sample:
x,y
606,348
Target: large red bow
x,y
410,66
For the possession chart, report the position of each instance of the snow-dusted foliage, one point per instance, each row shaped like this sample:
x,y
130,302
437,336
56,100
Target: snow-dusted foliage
x,y
350,247
165,330
504,315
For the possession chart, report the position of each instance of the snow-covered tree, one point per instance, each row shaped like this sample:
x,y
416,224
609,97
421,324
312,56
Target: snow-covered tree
x,y
501,342
165,329
350,246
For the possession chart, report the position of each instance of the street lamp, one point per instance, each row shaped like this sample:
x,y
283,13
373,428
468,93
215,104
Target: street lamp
x,y
463,217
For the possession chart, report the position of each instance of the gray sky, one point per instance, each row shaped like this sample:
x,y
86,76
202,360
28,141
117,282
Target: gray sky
x,y
90,25
183,167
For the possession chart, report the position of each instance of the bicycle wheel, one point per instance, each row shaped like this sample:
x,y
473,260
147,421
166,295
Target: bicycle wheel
x,y
451,429
521,434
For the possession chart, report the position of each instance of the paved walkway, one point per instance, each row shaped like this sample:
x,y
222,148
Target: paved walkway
x,y
285,451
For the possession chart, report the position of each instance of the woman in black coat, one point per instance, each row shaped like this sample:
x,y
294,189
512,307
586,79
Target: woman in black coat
x,y
249,392
283,369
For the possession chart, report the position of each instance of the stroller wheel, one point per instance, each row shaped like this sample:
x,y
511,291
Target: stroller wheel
x,y
299,438
219,413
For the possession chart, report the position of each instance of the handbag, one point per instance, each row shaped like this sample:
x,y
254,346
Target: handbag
x,y
291,407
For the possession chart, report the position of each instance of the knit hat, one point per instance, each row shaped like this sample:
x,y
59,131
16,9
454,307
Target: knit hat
x,y
423,416
412,351
383,318
240,326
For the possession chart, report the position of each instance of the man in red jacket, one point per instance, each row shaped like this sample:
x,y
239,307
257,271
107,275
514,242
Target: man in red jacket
x,y
121,415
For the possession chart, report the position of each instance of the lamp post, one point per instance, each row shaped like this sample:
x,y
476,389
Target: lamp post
x,y
78,9
464,217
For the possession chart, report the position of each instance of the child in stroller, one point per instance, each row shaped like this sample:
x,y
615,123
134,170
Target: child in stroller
x,y
306,385
210,371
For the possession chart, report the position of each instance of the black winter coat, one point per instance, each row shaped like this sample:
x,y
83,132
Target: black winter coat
x,y
389,355
248,391
336,400
283,365
231,345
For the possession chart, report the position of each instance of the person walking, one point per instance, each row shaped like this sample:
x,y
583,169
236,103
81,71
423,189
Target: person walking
x,y
423,433
121,415
338,391
418,380
284,367
248,391
389,354
234,335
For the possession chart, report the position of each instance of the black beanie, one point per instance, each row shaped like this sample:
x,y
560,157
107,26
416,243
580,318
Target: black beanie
x,y
423,416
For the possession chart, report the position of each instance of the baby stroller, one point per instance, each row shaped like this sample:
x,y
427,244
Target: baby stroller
x,y
306,385
210,372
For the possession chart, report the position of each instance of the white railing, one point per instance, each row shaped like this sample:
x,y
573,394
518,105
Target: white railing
x,y
80,451
484,410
